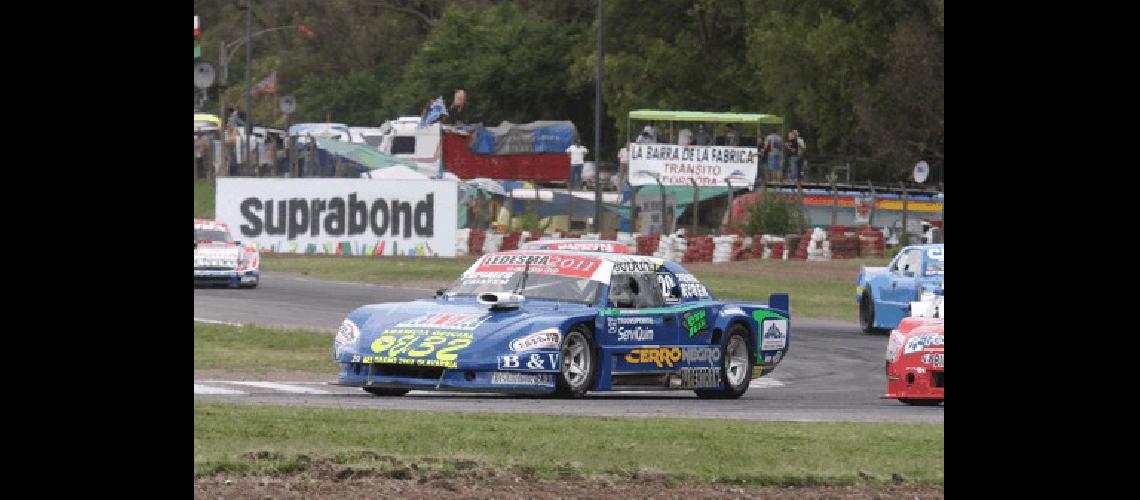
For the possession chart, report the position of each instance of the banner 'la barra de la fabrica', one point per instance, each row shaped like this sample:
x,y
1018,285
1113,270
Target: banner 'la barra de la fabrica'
x,y
681,165
341,216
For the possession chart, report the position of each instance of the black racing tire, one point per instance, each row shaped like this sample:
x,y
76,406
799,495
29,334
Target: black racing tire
x,y
922,402
579,363
737,363
867,314
380,391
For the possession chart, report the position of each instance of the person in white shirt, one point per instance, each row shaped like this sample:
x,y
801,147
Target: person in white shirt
x,y
684,137
577,160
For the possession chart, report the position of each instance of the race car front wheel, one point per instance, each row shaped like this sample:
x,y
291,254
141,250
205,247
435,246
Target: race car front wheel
x,y
736,370
578,366
380,391
867,314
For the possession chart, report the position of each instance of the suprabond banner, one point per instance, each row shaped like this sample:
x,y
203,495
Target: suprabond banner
x,y
341,216
679,165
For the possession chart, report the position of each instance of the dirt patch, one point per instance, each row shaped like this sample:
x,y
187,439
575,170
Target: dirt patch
x,y
264,375
514,486
386,475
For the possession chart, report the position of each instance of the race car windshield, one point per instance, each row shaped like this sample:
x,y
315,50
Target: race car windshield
x,y
211,235
538,286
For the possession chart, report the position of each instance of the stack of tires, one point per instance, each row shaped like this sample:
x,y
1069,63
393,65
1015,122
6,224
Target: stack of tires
x,y
724,248
700,249
646,245
819,248
772,247
475,242
510,241
870,242
742,249
492,243
844,242
802,247
672,247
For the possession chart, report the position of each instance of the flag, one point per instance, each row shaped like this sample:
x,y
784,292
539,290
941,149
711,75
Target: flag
x,y
268,85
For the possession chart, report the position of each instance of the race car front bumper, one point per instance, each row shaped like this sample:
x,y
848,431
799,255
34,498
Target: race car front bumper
x,y
225,277
399,376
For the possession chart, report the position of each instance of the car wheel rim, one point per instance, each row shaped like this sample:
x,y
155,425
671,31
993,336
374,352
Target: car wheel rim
x,y
575,360
737,361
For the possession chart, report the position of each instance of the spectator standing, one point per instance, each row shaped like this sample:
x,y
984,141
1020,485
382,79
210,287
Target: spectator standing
x,y
623,168
201,149
730,137
774,145
270,154
792,148
644,138
459,105
577,160
684,137
803,149
702,138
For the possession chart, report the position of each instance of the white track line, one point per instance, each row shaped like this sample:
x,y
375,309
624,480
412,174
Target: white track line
x,y
216,322
205,389
296,389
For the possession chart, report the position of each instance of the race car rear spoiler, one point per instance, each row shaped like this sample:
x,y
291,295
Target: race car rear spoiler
x,y
778,301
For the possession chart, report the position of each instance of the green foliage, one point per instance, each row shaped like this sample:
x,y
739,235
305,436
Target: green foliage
x,y
530,222
859,78
774,215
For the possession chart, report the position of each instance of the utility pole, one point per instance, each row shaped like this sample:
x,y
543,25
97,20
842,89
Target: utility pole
x,y
222,105
598,128
248,77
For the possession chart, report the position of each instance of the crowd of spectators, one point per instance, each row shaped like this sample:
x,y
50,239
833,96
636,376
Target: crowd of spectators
x,y
780,158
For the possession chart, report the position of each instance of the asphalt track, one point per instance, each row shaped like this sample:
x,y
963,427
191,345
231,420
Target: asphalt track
x,y
832,371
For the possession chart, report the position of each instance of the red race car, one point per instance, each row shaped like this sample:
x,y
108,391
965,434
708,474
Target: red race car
x,y
915,354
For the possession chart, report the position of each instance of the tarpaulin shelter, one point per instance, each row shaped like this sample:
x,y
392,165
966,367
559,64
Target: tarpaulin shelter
x,y
544,136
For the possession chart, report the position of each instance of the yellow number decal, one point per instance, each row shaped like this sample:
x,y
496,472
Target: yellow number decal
x,y
383,343
427,345
402,345
455,345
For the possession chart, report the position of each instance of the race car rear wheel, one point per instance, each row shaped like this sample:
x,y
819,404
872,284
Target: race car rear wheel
x,y
922,402
578,364
867,314
380,391
736,369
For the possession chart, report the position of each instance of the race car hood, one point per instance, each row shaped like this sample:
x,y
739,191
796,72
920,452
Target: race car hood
x,y
533,327
217,254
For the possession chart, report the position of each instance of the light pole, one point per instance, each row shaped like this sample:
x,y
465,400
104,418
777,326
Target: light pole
x,y
248,79
598,129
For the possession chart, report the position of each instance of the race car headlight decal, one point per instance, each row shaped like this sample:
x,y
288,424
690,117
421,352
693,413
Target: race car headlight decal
x,y
346,336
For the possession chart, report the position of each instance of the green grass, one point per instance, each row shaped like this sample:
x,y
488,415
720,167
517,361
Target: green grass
x,y
410,271
757,452
257,348
203,200
816,289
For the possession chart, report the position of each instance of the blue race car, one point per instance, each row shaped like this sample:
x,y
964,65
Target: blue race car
x,y
560,322
884,294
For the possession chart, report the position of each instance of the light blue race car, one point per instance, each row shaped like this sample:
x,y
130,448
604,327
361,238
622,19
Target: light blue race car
x,y
884,294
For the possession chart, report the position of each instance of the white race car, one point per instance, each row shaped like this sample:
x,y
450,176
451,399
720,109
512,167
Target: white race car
x,y
219,260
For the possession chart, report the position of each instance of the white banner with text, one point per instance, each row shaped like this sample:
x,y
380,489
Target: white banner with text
x,y
681,165
341,216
